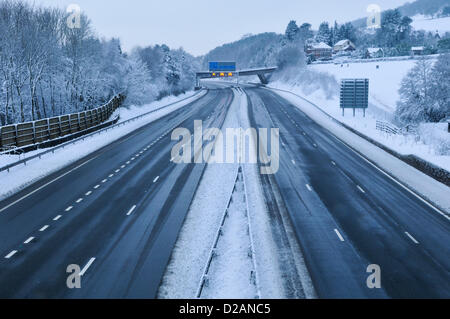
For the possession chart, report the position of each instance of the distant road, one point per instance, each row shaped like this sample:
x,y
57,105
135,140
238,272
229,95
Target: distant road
x,y
116,213
347,214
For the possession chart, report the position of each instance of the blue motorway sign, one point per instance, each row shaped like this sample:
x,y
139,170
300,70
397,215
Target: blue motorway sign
x,y
222,66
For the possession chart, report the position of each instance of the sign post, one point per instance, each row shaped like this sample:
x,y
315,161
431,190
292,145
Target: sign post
x,y
354,95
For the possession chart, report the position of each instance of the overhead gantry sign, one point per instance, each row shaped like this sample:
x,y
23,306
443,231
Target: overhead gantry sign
x,y
228,69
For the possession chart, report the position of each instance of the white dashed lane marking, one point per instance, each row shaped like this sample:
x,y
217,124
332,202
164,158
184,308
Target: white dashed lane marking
x,y
96,186
57,217
28,240
79,200
44,228
360,189
88,193
131,210
412,238
69,208
339,235
11,254
309,187
156,179
85,268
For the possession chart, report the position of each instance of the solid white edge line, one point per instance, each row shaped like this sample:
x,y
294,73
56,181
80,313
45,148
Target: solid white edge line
x,y
45,185
85,268
11,254
412,238
401,184
339,234
131,210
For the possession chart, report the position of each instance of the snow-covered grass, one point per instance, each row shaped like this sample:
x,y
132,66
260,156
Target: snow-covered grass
x,y
383,82
21,176
441,25
431,144
428,187
131,111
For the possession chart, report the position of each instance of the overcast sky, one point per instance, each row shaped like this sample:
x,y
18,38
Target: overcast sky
x,y
201,25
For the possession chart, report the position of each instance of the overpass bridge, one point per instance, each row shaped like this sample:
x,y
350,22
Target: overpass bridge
x,y
223,70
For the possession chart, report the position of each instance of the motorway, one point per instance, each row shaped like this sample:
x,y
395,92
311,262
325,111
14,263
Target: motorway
x,y
117,212
347,214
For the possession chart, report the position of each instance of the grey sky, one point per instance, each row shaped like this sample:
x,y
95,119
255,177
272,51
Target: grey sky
x,y
200,25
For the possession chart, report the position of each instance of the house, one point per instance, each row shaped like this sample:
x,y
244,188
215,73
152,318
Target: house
x,y
320,51
344,46
372,53
417,51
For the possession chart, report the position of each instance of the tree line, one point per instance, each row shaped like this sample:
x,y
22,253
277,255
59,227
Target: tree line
x,y
48,67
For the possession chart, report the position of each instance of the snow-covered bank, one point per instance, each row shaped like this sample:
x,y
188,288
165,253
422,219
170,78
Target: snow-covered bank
x,y
21,176
428,187
383,87
384,81
440,25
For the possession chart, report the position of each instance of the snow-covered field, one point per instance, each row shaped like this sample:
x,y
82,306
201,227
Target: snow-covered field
x,y
21,176
383,94
383,82
441,25
428,187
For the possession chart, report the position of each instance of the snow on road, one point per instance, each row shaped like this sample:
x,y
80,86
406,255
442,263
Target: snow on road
x,y
21,176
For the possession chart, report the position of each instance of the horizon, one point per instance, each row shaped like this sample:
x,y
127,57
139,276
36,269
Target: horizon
x,y
199,38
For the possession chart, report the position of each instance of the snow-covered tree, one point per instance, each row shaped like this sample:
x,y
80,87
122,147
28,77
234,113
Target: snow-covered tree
x,y
292,31
324,34
419,99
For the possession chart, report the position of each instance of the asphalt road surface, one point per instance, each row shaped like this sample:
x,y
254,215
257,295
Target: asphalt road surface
x,y
347,214
115,213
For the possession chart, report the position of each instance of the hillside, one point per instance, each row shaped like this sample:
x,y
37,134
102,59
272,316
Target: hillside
x,y
429,8
250,51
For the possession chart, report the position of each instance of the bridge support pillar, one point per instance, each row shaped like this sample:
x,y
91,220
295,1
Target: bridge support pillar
x,y
263,78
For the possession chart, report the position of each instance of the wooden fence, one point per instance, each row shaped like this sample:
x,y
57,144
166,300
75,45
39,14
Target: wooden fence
x,y
28,133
